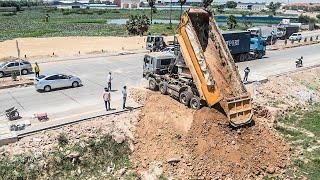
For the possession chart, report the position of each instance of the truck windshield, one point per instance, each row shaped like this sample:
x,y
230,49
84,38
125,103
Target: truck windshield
x,y
150,39
165,61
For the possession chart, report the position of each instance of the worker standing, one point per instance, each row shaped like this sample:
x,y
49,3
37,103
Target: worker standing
x,y
246,74
37,70
124,95
107,98
109,79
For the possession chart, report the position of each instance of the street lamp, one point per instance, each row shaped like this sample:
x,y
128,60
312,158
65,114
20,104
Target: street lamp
x,y
182,2
170,13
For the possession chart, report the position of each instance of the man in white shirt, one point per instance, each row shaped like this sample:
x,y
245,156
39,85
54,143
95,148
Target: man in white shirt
x,y
109,78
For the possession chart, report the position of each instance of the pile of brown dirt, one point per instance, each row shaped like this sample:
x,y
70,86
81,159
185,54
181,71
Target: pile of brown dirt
x,y
201,144
221,152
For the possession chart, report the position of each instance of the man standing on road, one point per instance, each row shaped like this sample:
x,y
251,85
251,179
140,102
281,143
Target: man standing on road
x,y
124,95
37,70
107,98
246,74
109,78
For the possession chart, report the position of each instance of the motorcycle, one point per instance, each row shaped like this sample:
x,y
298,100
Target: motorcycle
x,y
12,114
299,63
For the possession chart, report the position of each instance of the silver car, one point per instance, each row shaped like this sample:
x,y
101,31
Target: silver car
x,y
54,81
9,67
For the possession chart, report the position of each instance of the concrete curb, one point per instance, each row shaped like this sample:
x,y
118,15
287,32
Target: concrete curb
x,y
15,85
87,57
293,46
21,135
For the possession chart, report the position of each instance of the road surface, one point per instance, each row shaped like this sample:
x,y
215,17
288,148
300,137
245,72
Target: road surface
x,y
126,70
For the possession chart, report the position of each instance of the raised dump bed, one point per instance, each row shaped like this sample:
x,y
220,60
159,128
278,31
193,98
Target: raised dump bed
x,y
212,67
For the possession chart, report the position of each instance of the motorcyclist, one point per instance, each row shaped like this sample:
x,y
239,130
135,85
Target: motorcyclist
x,y
299,62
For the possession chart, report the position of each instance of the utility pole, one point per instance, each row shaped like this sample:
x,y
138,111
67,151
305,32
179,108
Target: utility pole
x,y
18,51
170,13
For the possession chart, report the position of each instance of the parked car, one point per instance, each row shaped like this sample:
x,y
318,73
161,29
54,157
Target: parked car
x,y
9,67
169,49
295,37
54,81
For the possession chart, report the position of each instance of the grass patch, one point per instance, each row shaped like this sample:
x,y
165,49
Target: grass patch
x,y
79,161
290,134
309,121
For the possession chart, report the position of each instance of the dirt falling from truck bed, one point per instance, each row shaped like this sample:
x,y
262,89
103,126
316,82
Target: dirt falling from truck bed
x,y
200,144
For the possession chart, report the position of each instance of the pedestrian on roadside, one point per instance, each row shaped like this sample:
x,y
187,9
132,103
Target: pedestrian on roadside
x,y
109,78
246,74
107,98
37,70
124,95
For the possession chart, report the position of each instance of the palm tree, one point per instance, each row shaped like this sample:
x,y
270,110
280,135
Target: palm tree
x,y
151,4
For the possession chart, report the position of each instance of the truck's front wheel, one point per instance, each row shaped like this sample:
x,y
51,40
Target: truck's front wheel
x,y
163,88
153,84
195,103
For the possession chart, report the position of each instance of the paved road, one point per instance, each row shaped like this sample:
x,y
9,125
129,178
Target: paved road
x,y
127,70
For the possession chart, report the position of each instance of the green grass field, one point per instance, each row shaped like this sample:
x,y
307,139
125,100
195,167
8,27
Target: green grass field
x,y
31,23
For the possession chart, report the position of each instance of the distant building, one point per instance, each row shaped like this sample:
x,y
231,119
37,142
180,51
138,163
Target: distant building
x,y
251,6
130,4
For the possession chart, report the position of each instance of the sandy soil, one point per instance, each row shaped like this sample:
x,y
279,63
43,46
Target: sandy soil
x,y
8,81
69,46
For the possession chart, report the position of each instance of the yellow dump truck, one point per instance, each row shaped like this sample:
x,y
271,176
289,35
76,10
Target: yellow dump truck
x,y
203,72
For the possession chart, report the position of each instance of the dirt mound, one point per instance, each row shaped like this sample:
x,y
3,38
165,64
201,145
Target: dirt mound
x,y
222,152
200,144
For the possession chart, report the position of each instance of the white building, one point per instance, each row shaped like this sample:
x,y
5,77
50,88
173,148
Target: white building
x,y
251,6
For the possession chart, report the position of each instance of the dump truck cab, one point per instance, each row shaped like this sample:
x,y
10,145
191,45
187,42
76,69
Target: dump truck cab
x,y
157,63
155,43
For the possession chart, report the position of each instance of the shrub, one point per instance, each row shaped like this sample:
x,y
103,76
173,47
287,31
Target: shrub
x,y
285,42
137,25
305,39
62,140
311,39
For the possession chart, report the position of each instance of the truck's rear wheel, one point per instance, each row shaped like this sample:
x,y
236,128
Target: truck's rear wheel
x,y
185,97
163,88
153,84
195,103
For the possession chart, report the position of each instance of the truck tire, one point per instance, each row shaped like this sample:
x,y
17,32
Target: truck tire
x,y
24,71
241,57
260,55
1,74
153,84
163,87
185,97
195,103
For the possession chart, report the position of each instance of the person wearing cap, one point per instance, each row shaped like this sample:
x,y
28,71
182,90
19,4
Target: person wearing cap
x,y
107,98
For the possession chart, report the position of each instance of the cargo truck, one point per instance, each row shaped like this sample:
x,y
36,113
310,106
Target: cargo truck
x,y
245,46
285,31
203,72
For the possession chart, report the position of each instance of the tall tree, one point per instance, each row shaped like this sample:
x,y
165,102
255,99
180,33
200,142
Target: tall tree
x,y
231,4
273,7
151,4
232,21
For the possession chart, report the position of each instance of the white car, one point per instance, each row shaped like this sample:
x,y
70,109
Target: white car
x,y
295,37
54,81
169,49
